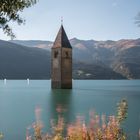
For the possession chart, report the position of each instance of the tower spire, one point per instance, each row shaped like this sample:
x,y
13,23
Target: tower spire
x,y
61,40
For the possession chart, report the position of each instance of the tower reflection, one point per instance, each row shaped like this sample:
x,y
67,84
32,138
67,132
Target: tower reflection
x,y
61,104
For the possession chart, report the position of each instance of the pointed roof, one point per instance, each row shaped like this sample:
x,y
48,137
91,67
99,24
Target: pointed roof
x,y
61,39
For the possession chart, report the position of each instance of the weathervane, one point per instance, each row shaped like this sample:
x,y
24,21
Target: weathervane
x,y
61,20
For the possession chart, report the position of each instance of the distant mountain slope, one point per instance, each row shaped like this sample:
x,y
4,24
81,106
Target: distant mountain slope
x,y
127,62
93,71
121,56
20,62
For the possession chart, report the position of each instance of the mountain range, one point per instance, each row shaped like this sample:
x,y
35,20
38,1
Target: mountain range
x,y
20,59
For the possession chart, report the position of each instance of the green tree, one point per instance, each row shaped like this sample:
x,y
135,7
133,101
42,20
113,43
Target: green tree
x,y
10,12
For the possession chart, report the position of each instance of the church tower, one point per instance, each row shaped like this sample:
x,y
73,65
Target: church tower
x,y
61,62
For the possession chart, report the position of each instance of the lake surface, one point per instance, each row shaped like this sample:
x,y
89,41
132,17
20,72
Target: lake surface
x,y
18,101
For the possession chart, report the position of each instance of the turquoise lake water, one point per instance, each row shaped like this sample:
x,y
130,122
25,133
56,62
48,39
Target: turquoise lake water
x,y
18,101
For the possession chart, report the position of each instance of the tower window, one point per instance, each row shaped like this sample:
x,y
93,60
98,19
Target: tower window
x,y
67,54
56,54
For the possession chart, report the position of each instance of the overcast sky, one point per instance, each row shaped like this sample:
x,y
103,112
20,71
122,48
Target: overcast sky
x,y
83,19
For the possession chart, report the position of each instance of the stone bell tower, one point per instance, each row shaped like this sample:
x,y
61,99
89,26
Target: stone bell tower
x,y
61,62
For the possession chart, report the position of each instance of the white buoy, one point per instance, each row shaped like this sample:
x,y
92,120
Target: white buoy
x,y
28,81
4,81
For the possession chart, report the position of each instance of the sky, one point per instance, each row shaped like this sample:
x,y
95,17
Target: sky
x,y
83,19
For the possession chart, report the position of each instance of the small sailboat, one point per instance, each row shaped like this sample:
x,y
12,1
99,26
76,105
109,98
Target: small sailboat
x,y
28,81
5,81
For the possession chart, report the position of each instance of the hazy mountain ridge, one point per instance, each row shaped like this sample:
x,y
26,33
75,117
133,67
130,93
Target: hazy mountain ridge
x,y
120,56
20,62
34,43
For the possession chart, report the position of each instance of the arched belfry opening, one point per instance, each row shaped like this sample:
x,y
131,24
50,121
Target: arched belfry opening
x,y
61,62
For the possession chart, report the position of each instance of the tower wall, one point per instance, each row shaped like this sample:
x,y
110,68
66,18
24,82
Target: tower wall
x,y
66,68
56,68
61,59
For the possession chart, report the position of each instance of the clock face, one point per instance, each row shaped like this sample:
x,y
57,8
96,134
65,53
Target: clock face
x,y
55,63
